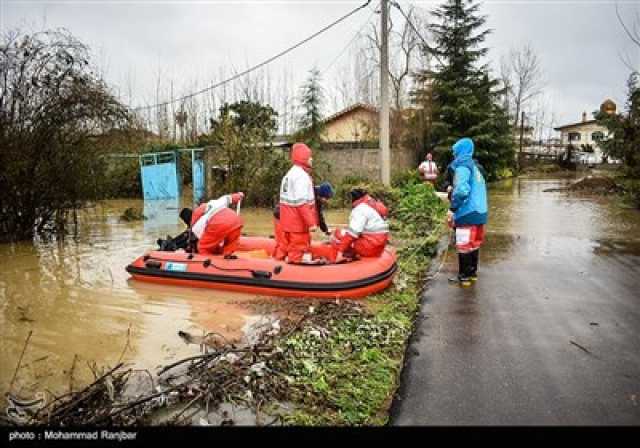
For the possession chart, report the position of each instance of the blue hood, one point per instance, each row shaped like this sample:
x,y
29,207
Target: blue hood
x,y
463,149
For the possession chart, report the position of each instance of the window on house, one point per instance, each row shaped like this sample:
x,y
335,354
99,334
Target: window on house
x,y
574,136
597,136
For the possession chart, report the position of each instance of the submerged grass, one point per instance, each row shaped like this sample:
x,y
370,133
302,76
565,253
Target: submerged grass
x,y
346,372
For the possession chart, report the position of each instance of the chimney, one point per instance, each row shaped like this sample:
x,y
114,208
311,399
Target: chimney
x,y
584,117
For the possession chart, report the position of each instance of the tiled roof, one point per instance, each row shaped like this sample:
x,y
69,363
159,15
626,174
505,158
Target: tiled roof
x,y
351,108
580,123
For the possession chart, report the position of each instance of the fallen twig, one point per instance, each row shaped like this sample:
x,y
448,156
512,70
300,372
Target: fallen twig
x,y
24,348
581,347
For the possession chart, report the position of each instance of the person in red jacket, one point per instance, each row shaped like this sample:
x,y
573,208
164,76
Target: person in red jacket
x,y
368,231
298,214
217,227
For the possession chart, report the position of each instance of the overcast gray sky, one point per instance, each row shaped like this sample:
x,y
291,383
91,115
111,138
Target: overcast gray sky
x,y
580,43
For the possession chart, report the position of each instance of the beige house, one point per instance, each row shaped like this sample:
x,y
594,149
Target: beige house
x,y
585,135
350,144
357,123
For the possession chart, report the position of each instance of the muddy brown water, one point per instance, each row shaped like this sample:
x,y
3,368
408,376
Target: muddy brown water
x,y
82,306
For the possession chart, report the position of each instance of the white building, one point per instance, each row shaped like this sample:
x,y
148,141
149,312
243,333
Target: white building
x,y
584,137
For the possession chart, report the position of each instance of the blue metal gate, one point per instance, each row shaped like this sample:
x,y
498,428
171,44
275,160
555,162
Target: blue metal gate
x,y
160,174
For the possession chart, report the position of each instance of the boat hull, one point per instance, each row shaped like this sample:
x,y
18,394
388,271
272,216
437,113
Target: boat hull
x,y
254,272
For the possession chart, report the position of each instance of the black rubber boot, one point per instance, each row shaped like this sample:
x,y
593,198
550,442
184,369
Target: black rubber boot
x,y
464,266
473,270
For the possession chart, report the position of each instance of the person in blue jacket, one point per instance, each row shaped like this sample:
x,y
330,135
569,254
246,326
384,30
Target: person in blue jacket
x,y
468,210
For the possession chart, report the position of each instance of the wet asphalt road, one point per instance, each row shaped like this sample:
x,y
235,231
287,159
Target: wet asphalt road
x,y
550,333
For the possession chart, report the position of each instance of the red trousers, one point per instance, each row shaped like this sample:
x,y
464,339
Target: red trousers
x,y
281,249
469,238
222,234
290,244
366,245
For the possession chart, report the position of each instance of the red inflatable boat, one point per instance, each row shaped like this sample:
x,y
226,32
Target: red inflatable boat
x,y
255,272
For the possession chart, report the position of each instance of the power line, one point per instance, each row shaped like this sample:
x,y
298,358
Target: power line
x,y
349,43
432,50
257,66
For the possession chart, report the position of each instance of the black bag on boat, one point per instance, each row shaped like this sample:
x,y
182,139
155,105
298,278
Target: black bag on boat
x,y
186,240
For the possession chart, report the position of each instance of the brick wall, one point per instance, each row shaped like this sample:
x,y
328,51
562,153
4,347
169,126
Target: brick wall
x,y
344,162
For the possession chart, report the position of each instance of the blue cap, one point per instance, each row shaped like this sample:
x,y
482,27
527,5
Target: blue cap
x,y
324,190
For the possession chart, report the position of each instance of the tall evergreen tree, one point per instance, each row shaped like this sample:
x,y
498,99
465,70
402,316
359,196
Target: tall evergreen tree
x,y
459,95
311,105
623,141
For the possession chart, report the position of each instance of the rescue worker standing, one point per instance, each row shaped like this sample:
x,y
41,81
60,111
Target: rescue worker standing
x,y
323,193
298,214
428,169
468,211
368,231
217,227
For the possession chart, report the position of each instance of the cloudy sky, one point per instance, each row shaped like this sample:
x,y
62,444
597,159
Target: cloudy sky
x,y
580,43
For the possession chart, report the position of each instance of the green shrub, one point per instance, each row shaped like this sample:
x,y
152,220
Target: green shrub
x,y
121,179
503,173
419,210
407,177
388,195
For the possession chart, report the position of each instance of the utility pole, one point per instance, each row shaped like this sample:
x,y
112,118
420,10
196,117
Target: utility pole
x,y
521,138
385,153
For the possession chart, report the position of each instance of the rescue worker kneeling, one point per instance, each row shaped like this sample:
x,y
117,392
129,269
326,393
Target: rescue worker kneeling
x,y
368,231
217,227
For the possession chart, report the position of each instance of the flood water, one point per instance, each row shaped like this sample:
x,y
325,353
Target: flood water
x,y
556,223
82,307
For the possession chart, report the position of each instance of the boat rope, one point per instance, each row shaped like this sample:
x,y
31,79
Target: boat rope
x,y
444,257
207,262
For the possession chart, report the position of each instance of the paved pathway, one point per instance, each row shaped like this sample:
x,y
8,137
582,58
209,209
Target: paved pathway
x,y
550,334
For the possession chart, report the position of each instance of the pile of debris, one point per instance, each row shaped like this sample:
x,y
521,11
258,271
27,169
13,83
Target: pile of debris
x,y
595,185
591,185
223,373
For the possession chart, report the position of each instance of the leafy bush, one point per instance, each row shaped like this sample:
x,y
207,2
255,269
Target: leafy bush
x,y
419,210
52,108
121,179
388,195
407,177
503,173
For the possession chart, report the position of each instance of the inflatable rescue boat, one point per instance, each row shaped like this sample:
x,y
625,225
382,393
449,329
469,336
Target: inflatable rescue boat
x,y
255,272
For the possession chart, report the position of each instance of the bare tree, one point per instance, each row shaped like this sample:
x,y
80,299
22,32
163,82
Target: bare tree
x,y
404,45
633,33
523,79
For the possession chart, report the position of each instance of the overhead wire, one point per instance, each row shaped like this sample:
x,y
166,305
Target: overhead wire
x,y
351,41
431,50
257,66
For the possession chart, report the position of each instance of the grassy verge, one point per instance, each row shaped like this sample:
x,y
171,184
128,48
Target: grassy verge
x,y
344,369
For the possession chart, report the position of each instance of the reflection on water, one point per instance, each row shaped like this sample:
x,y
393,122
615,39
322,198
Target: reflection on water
x,y
77,298
526,220
162,216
